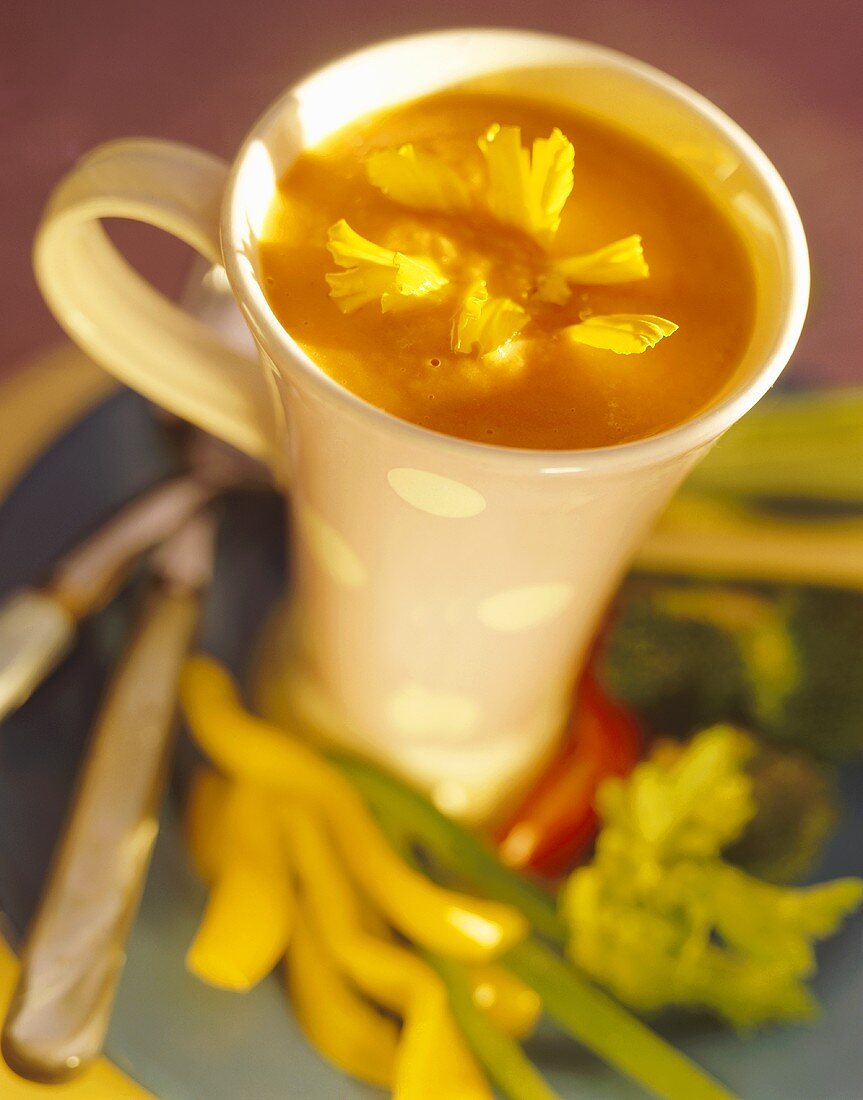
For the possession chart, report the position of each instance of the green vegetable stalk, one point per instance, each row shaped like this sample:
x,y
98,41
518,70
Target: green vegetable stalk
x,y
699,537
502,1058
792,447
597,1021
799,452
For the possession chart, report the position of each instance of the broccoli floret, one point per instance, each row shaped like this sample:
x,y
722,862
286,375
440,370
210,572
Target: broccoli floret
x,y
788,664
797,811
822,709
678,671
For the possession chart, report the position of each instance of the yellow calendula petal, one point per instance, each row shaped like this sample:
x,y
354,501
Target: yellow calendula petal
x,y
374,273
528,189
350,249
415,277
620,262
484,323
351,290
623,333
420,180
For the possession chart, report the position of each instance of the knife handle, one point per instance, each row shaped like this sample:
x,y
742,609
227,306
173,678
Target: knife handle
x,y
36,631
75,950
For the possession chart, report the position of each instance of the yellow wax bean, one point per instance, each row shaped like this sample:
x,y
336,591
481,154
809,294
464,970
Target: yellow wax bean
x,y
388,973
341,1024
248,917
242,745
510,1005
433,1060
203,821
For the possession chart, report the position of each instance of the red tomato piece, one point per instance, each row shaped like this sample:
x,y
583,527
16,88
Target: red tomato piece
x,y
557,820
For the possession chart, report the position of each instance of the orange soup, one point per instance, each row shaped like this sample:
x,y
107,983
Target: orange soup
x,y
552,383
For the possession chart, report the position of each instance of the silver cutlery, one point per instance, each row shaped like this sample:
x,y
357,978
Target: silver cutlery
x,y
75,950
38,624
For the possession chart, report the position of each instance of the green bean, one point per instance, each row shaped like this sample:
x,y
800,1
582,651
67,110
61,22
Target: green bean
x,y
602,1025
408,813
502,1058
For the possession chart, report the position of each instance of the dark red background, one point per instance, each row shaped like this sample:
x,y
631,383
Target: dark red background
x,y
75,73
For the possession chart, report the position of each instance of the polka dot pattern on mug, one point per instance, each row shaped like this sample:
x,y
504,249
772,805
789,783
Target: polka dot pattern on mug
x,y
331,551
435,494
525,606
419,712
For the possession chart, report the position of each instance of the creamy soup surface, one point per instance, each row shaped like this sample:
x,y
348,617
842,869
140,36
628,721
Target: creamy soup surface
x,y
542,391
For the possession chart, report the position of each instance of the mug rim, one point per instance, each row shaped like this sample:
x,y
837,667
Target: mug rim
x,y
690,435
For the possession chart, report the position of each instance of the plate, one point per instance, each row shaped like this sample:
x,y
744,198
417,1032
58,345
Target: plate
x,y
176,1037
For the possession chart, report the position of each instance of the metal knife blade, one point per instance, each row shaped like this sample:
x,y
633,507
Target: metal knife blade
x,y
75,950
37,626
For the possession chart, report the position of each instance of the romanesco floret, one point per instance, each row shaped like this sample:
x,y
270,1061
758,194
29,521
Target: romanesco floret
x,y
661,919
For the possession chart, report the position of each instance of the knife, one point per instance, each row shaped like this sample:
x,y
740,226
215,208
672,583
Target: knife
x,y
38,625
74,952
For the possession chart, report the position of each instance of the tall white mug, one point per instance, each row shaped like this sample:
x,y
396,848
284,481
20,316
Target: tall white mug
x,y
446,590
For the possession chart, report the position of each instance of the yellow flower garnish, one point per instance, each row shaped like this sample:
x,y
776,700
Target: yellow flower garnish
x,y
623,333
528,189
420,180
620,262
375,273
485,324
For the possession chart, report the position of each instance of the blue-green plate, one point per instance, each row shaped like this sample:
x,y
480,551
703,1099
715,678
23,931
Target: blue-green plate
x,y
178,1038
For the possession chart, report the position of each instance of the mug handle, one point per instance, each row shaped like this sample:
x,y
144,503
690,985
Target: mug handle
x,y
114,314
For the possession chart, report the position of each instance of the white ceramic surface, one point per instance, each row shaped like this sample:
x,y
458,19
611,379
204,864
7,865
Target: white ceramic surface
x,y
445,590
